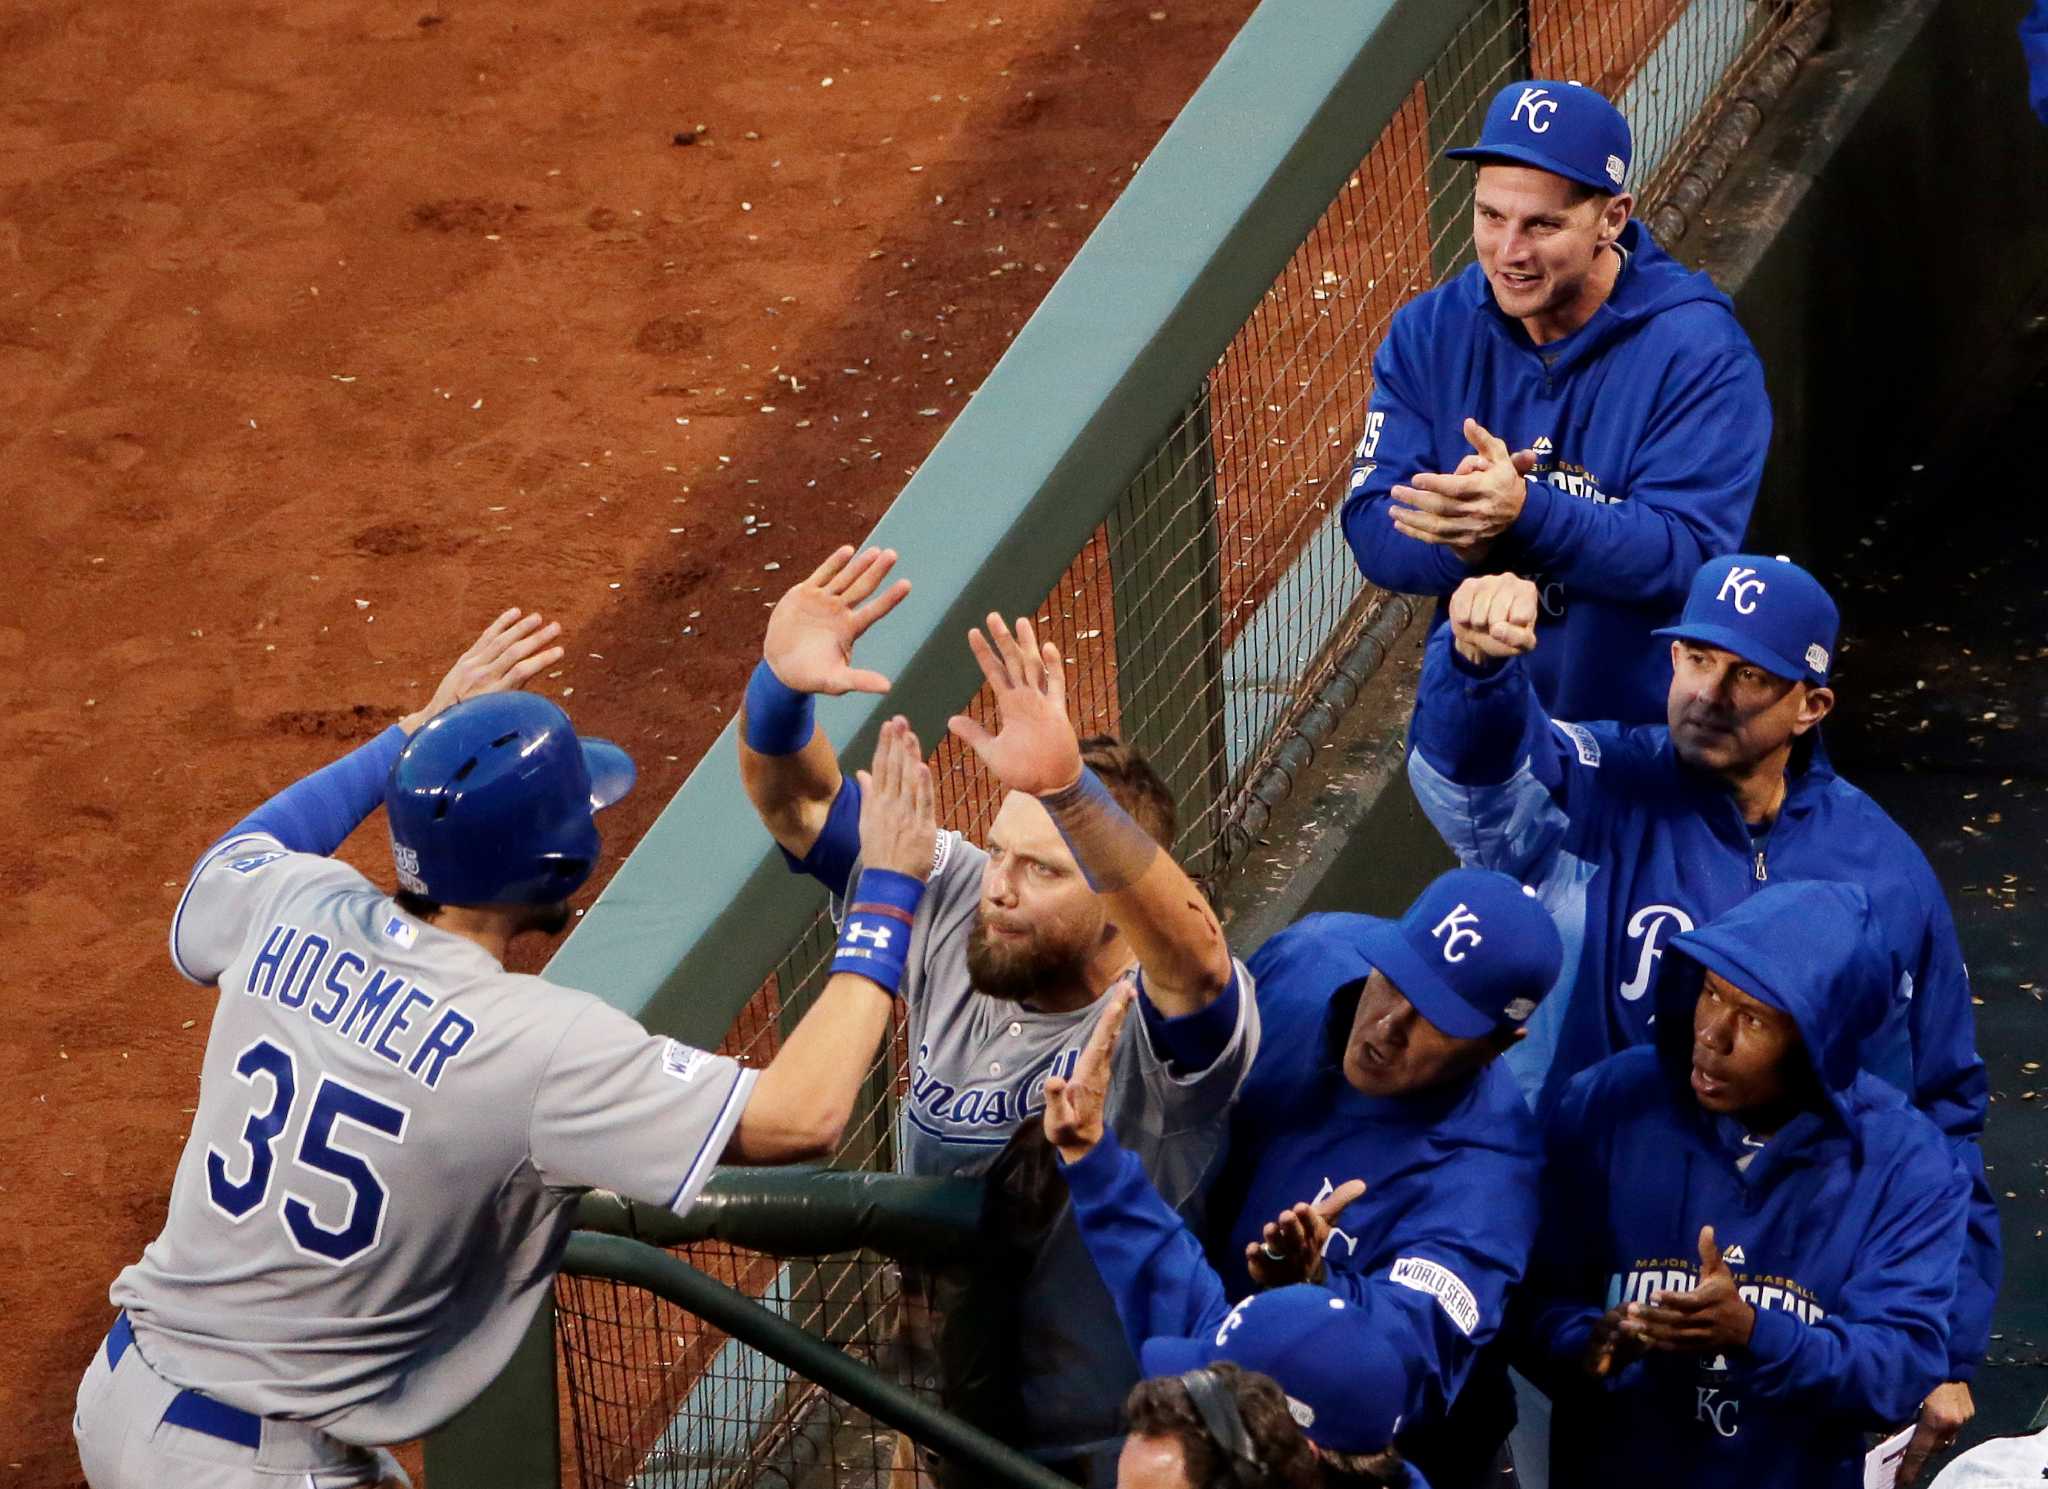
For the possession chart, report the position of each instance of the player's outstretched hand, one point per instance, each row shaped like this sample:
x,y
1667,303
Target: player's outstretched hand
x,y
812,628
898,824
1494,615
1034,748
1291,1249
1074,1104
514,649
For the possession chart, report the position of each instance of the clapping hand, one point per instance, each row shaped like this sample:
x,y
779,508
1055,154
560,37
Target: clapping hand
x,y
898,825
1472,506
1710,1319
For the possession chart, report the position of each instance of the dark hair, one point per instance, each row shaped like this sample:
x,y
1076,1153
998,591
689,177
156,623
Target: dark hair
x,y
418,906
1387,1470
1135,785
1161,1407
1580,193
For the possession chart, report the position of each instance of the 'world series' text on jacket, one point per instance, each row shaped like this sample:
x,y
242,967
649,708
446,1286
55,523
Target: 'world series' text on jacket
x,y
1844,1230
1629,846
1649,424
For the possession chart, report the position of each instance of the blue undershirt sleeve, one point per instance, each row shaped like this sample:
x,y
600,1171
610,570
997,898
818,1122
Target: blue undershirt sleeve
x,y
837,849
316,814
1192,1042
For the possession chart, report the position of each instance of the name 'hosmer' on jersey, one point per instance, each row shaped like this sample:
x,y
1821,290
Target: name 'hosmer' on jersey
x,y
392,1129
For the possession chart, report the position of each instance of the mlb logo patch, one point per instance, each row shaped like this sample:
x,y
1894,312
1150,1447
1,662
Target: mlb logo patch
x,y
682,1061
401,930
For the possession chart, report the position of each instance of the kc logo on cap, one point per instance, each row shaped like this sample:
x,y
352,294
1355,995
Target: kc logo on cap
x,y
1458,923
1740,587
1532,107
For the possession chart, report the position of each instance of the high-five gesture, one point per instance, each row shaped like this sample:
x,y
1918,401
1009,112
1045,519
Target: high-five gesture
x,y
813,627
1710,1319
1074,1104
1291,1249
897,824
1035,749
512,651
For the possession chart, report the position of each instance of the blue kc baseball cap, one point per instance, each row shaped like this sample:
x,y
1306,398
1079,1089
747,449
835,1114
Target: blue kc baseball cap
x,y
1766,610
1475,953
1344,1389
1563,128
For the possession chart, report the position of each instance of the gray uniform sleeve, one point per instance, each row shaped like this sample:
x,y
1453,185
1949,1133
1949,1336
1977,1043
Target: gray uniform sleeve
x,y
228,890
622,1109
1174,1122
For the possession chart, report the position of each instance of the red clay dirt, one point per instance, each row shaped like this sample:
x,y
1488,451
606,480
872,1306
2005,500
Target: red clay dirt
x,y
331,327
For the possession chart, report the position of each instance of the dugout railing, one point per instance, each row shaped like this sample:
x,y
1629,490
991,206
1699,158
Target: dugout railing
x,y
1154,470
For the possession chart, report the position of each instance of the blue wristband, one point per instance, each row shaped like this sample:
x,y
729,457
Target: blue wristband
x,y
779,719
874,938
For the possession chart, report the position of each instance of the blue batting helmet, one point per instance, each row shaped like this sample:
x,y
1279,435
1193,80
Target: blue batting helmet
x,y
491,803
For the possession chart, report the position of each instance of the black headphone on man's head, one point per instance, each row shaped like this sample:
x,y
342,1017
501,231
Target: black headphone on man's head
x,y
1216,1404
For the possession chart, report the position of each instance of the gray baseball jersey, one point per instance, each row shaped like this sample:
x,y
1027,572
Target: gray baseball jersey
x,y
390,1135
978,1065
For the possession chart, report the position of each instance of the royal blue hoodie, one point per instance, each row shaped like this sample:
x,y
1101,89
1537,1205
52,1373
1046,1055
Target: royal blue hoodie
x,y
1650,425
1629,845
1844,1230
1431,1249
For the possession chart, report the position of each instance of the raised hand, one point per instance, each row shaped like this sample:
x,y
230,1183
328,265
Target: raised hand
x,y
813,626
1494,615
513,649
897,823
1034,748
1710,1319
1473,505
1291,1247
1074,1104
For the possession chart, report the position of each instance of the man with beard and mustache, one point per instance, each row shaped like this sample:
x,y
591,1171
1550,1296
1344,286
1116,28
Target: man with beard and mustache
x,y
1636,835
392,1129
1009,952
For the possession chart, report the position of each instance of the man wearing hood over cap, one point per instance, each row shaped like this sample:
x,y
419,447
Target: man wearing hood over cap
x,y
1749,1246
1633,401
1634,835
1378,1147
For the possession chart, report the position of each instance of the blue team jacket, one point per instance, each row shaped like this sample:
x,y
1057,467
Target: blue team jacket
x,y
1629,846
1650,424
1845,1232
1444,1228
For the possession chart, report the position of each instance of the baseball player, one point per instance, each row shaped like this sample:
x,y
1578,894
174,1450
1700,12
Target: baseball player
x,y
392,1129
1380,1128
1634,835
1010,951
1827,1218
1633,402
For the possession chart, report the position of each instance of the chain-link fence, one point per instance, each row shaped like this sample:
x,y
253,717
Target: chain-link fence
x,y
1198,622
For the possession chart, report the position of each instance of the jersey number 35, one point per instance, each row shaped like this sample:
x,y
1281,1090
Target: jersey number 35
x,y
334,1101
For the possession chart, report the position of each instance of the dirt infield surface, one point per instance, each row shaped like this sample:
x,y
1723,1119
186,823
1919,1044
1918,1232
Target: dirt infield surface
x,y
331,327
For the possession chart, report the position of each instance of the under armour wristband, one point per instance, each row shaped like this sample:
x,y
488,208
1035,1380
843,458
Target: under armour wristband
x,y
780,720
1111,848
874,938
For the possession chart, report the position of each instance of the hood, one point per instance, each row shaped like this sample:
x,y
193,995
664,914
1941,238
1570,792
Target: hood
x,y
1653,283
1810,948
